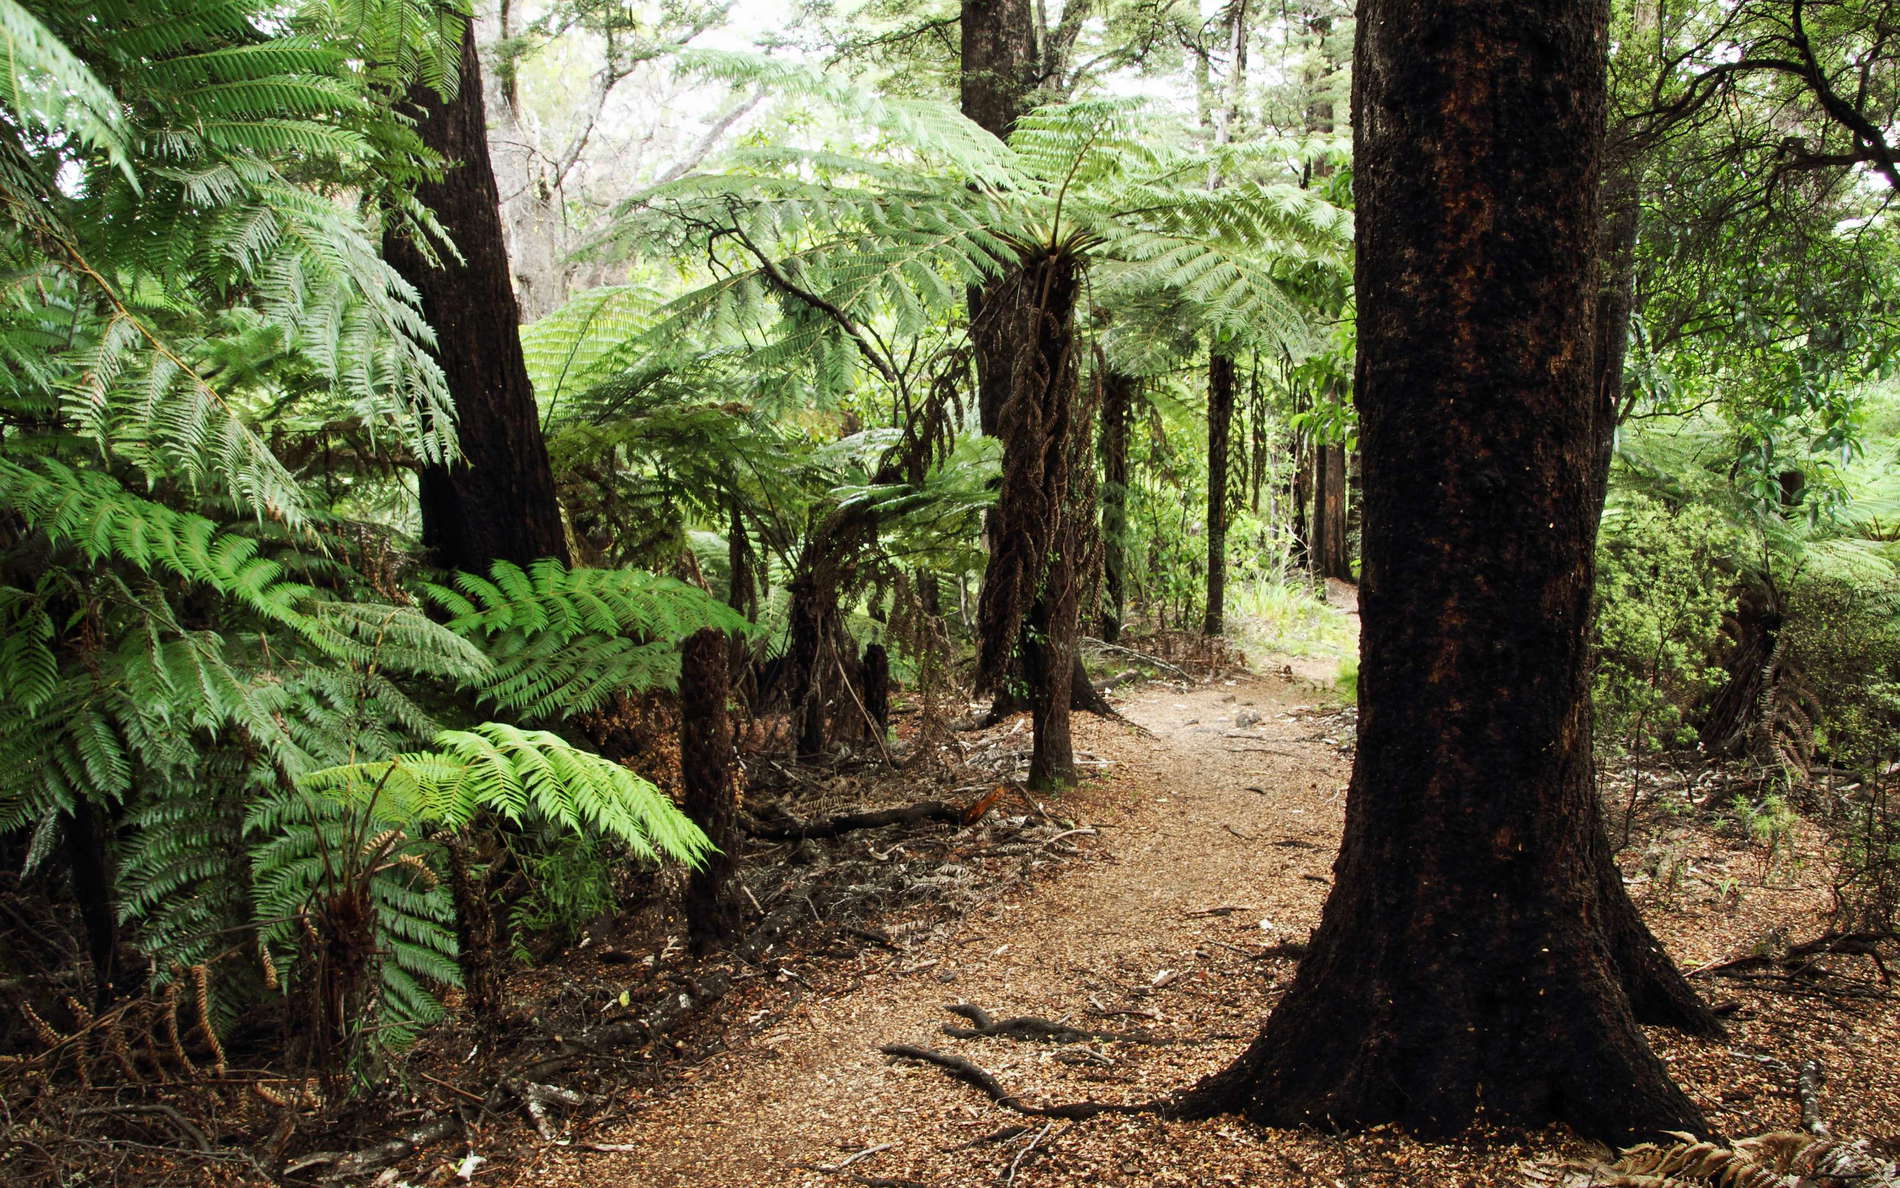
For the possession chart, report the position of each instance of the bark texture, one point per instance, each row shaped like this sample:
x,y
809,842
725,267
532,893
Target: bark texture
x,y
1220,423
1477,949
1118,396
497,502
706,774
1027,610
1000,67
1332,556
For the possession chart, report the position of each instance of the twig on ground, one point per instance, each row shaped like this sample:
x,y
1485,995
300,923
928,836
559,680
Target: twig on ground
x,y
1009,1177
833,1169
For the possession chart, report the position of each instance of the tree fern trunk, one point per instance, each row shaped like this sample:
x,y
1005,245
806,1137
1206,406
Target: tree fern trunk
x,y
1118,392
1220,420
498,501
1027,609
706,770
89,864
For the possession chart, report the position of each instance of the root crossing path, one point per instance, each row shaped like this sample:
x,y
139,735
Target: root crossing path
x,y
1156,956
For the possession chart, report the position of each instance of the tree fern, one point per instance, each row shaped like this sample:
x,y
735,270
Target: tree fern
x,y
367,829
823,248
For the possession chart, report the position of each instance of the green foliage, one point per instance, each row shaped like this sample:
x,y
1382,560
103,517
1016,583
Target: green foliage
x,y
367,830
1662,591
173,246
562,641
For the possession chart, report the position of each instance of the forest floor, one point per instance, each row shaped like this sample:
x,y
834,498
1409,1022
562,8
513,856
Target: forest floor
x,y
1160,907
1216,814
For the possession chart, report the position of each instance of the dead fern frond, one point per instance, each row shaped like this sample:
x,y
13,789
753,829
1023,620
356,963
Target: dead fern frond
x,y
1780,1159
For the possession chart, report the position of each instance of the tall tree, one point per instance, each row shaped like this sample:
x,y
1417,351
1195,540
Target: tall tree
x,y
1118,396
1477,948
1220,422
498,501
1019,387
1220,362
1330,555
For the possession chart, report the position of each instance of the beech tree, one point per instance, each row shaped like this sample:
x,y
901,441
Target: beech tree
x,y
1478,948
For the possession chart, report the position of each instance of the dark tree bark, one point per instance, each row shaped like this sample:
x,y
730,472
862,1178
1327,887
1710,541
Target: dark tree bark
x,y
876,667
89,862
1118,395
1027,610
1331,555
497,502
706,773
1477,948
1000,67
1220,422
475,938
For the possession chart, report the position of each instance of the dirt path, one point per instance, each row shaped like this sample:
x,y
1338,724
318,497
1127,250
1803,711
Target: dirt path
x,y
1214,841
1214,838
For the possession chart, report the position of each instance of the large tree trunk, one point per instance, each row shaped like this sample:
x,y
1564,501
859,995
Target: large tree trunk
x,y
1476,949
498,501
711,800
1000,67
1118,395
1220,422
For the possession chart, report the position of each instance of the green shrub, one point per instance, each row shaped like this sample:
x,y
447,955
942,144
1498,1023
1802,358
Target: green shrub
x,y
1661,595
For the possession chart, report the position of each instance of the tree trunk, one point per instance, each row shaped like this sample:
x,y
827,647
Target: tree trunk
x,y
1475,950
706,774
475,938
1000,67
89,863
1118,394
1332,558
1220,421
497,501
1026,613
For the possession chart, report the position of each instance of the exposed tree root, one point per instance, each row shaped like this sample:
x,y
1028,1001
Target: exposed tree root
x,y
1865,944
1030,1029
970,1073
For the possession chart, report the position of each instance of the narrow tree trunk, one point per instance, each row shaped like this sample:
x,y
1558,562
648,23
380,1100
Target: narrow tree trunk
x,y
498,501
1220,420
1332,556
1118,392
1475,950
876,667
89,863
706,774
474,935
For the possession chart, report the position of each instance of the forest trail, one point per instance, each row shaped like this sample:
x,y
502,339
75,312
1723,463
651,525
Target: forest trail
x,y
1214,841
1216,819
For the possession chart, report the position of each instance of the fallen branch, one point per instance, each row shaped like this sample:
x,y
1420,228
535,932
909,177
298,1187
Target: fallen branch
x,y
1140,657
1866,944
1807,1089
785,827
1009,1177
346,1165
964,1070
